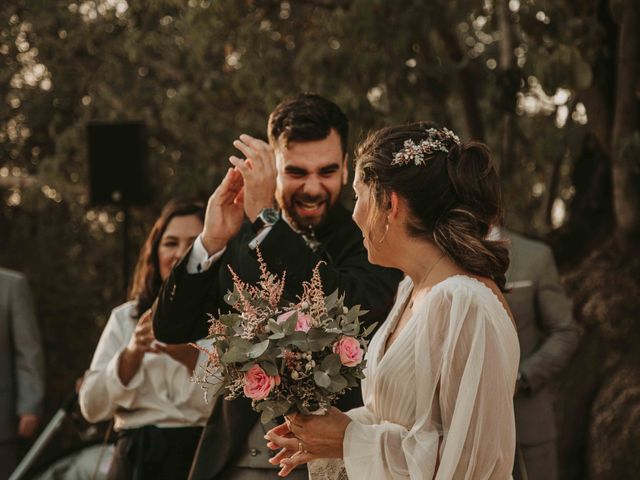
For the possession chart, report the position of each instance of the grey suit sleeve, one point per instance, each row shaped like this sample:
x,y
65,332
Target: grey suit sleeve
x,y
554,314
29,361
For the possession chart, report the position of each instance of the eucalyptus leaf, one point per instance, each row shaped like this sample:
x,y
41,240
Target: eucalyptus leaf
x,y
321,378
274,326
230,319
289,326
369,329
234,355
271,409
331,364
232,298
331,301
247,366
258,349
322,337
296,339
353,314
351,380
269,368
267,416
337,384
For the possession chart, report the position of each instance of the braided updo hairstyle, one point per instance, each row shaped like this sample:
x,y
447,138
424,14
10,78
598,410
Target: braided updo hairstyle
x,y
453,194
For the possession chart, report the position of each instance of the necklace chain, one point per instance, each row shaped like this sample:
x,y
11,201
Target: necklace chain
x,y
411,300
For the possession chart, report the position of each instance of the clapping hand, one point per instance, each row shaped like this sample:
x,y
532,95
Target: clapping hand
x,y
142,340
28,425
225,212
259,173
306,437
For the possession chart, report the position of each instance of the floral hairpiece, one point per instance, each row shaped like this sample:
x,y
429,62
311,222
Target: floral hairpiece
x,y
438,140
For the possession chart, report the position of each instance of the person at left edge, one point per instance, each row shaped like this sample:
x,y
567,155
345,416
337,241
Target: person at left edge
x,y
145,385
21,368
289,191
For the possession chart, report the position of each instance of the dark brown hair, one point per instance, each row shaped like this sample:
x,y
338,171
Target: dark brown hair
x,y
146,277
307,117
454,198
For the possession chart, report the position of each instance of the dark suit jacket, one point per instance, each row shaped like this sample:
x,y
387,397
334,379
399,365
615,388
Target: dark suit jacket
x,y
547,333
186,299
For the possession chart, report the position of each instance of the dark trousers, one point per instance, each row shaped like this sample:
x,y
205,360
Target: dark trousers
x,y
8,457
154,453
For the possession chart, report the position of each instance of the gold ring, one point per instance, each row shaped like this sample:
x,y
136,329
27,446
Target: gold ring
x,y
300,449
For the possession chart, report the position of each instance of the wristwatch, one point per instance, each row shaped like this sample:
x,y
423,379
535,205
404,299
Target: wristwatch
x,y
266,218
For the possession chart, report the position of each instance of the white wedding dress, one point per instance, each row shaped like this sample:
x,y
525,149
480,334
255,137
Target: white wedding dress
x,y
441,398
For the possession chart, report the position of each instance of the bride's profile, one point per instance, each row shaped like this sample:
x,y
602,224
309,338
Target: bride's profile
x,y
441,370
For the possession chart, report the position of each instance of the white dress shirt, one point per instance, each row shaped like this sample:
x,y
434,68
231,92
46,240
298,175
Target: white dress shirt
x,y
160,393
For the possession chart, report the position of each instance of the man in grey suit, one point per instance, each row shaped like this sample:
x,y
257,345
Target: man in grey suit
x,y
548,337
21,368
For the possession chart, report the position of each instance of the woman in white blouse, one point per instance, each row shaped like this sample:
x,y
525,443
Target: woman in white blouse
x,y
142,384
441,371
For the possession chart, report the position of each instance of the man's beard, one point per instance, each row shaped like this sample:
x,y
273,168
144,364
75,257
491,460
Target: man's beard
x,y
304,222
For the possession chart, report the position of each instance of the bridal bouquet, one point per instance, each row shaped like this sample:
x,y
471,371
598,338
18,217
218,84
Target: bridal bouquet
x,y
285,357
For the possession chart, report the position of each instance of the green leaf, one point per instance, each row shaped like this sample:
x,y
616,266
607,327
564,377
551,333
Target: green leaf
x,y
353,314
258,349
230,319
337,384
331,364
369,329
289,325
321,378
269,368
232,298
267,416
321,338
351,380
296,339
234,355
274,326
331,301
247,366
271,409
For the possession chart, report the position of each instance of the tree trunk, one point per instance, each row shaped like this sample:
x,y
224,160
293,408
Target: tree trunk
x,y
626,135
468,82
509,76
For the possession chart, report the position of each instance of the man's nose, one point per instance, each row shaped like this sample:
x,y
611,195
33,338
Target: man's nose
x,y
313,186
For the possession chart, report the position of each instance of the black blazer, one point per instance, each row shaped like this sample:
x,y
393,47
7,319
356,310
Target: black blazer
x,y
185,300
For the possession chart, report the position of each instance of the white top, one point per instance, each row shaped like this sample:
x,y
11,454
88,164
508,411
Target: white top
x,y
160,393
443,392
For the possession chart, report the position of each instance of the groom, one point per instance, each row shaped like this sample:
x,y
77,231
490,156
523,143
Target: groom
x,y
284,198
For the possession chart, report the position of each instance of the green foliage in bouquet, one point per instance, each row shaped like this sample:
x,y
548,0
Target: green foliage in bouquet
x,y
285,357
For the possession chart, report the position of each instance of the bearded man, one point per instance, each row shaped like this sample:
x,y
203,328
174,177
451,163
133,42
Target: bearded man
x,y
283,196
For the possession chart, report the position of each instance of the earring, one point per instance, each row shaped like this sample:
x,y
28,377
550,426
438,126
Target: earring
x,y
386,230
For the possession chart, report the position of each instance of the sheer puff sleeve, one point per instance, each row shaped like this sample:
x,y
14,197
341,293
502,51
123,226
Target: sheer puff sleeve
x,y
460,424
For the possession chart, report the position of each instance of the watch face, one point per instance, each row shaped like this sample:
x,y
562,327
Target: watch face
x,y
270,215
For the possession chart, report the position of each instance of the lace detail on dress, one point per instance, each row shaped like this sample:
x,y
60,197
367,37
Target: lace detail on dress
x,y
327,469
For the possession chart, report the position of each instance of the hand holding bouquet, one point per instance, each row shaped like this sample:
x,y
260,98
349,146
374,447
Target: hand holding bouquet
x,y
294,357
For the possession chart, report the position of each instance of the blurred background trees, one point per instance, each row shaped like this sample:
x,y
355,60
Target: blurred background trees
x,y
553,87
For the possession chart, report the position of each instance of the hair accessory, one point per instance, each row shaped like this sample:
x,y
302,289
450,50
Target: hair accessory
x,y
438,140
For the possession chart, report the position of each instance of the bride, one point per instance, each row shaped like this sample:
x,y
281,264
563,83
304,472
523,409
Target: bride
x,y
441,371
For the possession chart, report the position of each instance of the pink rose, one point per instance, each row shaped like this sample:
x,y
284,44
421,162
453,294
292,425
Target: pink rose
x,y
302,325
257,384
349,350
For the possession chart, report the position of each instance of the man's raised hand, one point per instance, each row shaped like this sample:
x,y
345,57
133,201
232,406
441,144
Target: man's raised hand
x,y
258,172
225,212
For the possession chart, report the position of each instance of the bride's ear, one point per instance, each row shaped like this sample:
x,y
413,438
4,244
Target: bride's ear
x,y
394,207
